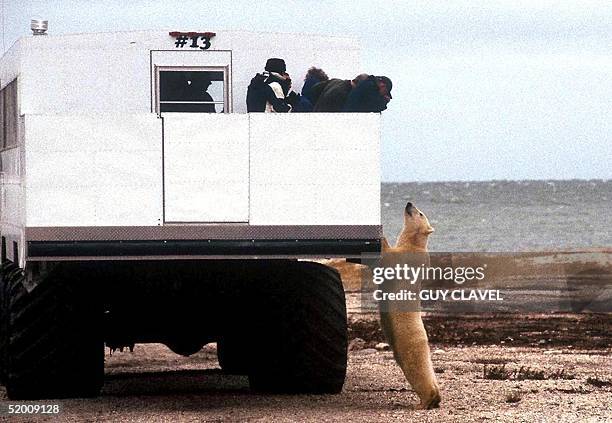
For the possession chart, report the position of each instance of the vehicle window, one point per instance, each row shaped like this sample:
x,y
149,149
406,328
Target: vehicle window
x,y
8,115
199,91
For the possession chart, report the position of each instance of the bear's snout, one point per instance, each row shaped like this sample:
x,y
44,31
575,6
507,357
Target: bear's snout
x,y
409,208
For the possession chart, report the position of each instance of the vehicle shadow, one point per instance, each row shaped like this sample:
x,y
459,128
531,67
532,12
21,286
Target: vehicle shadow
x,y
172,382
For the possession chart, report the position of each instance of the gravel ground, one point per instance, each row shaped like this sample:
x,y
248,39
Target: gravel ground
x,y
153,384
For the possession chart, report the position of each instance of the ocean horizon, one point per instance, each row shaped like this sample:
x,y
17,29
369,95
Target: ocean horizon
x,y
505,215
503,180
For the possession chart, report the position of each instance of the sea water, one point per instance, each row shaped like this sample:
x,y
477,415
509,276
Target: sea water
x,y
506,215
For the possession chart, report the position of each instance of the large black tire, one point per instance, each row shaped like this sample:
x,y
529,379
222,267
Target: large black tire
x,y
54,345
232,356
6,272
300,341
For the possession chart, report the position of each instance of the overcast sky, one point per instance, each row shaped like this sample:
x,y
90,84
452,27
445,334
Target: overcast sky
x,y
482,90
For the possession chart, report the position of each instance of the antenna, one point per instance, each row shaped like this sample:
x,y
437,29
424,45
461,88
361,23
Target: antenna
x,y
39,26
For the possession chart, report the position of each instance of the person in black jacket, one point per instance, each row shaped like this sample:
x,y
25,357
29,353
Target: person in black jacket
x,y
331,95
268,90
370,95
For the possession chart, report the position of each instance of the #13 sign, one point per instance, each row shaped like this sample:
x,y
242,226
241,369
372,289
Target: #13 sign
x,y
199,40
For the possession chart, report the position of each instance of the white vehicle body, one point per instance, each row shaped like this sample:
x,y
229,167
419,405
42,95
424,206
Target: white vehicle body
x,y
93,169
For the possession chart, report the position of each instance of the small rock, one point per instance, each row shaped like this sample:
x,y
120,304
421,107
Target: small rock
x,y
357,344
382,346
438,351
553,352
542,341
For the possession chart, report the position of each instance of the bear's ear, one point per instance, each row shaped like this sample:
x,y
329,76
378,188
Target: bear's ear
x,y
385,244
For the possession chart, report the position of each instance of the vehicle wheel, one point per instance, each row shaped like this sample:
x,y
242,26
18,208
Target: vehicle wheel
x,y
55,345
232,356
6,270
300,342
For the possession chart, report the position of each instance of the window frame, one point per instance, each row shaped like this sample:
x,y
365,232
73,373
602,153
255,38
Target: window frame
x,y
9,92
227,107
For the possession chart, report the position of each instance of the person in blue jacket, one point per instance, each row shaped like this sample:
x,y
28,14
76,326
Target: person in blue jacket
x,y
313,76
370,95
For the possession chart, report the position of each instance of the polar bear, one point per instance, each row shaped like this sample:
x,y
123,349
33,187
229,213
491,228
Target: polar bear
x,y
404,329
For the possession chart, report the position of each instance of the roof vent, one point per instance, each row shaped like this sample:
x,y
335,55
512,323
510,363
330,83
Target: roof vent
x,y
39,26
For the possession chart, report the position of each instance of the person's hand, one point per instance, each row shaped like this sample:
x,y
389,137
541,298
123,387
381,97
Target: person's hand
x,y
293,99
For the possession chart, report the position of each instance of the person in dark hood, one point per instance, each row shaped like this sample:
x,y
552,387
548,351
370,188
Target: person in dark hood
x,y
370,95
199,89
183,87
268,90
331,95
313,77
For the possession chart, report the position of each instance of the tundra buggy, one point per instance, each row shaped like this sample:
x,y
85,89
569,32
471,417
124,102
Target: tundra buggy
x,y
132,212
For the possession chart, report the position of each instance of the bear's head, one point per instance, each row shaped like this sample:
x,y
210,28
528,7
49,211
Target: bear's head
x,y
415,221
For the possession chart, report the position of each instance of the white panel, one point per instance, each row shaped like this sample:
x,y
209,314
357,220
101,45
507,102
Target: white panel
x,y
206,167
12,197
190,58
93,170
134,180
111,72
315,169
68,80
11,208
10,63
